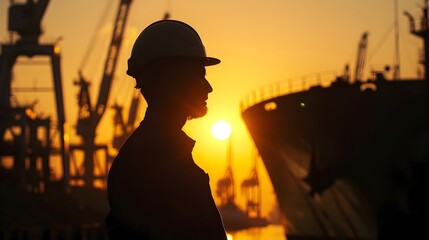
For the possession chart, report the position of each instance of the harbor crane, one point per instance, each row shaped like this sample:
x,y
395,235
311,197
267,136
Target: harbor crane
x,y
252,190
422,32
89,115
24,136
225,186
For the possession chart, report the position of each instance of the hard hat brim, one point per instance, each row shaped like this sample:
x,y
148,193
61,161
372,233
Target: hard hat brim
x,y
210,61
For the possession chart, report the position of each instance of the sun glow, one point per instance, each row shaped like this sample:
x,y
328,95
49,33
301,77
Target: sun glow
x,y
221,130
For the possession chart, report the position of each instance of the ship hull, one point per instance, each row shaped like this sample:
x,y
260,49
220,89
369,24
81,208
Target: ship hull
x,y
349,160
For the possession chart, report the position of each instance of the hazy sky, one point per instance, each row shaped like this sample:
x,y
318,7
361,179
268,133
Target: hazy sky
x,y
259,42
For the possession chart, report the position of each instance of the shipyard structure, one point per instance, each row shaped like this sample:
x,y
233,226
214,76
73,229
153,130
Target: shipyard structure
x,y
37,202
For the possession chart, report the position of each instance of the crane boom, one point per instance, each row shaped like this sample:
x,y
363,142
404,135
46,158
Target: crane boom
x,y
90,116
112,58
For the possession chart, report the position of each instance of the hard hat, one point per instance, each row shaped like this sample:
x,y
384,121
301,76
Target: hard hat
x,y
167,39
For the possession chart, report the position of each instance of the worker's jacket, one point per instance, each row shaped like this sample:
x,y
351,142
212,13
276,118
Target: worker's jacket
x,y
156,191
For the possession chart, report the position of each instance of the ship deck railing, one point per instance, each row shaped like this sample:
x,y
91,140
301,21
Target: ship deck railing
x,y
291,85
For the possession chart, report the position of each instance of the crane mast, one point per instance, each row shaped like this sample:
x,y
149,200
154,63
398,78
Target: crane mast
x,y
90,116
112,57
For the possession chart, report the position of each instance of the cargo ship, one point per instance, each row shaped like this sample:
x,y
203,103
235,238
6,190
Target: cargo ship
x,y
348,159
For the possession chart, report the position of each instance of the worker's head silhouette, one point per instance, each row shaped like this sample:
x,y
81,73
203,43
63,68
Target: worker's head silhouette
x,y
168,62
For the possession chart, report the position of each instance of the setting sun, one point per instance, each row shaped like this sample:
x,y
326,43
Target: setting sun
x,y
221,130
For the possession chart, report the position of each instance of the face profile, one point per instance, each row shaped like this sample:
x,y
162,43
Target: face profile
x,y
195,91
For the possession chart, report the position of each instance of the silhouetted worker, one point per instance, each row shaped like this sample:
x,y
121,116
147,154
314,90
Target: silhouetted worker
x,y
155,189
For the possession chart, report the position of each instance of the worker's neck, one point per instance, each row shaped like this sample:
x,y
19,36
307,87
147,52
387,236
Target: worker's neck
x,y
166,118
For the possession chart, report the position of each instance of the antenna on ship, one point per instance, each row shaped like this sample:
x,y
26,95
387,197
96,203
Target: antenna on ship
x,y
361,57
397,57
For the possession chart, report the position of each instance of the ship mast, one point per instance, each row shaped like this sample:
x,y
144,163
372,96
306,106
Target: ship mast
x,y
361,57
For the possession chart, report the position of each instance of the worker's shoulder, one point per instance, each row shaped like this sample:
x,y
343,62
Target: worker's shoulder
x,y
141,138
142,147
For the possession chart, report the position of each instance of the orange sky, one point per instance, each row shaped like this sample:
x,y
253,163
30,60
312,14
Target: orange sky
x,y
259,42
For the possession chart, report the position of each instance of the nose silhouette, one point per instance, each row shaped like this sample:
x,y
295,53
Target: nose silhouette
x,y
207,86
